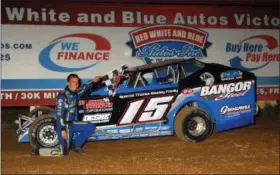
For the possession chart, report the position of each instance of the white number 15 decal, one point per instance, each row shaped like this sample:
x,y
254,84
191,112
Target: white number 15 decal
x,y
155,109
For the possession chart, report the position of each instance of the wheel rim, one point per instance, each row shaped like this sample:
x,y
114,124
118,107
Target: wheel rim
x,y
47,136
196,126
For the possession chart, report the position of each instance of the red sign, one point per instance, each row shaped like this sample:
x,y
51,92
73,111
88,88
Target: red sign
x,y
139,16
28,98
268,93
153,34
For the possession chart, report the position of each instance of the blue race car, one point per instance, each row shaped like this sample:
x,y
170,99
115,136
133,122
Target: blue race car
x,y
182,97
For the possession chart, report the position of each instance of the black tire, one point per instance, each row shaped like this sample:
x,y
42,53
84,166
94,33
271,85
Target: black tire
x,y
257,110
186,121
42,132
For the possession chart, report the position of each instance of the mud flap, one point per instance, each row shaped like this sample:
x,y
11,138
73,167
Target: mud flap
x,y
53,152
59,150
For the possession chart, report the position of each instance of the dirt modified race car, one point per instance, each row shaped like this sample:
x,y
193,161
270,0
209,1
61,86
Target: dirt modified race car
x,y
187,98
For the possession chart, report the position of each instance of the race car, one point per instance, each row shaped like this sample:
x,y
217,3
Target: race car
x,y
186,98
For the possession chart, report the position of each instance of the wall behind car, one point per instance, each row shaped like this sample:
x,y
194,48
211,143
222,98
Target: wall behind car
x,y
43,43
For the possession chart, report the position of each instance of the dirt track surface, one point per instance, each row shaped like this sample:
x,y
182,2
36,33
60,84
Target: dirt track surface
x,y
254,149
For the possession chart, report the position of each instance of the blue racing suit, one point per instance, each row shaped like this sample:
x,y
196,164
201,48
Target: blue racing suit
x,y
67,116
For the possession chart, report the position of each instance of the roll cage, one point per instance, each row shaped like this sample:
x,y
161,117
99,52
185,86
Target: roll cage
x,y
169,71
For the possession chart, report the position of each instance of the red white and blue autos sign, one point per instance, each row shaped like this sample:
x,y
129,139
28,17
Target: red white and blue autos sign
x,y
159,42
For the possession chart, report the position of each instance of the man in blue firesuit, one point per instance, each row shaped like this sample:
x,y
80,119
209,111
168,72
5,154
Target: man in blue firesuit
x,y
67,115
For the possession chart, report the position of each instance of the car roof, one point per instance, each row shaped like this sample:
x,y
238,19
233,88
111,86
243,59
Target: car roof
x,y
150,67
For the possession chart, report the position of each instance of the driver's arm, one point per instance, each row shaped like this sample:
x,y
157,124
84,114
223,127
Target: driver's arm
x,y
88,85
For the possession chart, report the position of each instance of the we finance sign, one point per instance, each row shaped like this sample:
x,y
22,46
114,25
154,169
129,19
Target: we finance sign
x,y
75,52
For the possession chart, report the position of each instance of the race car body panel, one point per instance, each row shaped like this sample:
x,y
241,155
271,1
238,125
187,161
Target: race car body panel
x,y
147,101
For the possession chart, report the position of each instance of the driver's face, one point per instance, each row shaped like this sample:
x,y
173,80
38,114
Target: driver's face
x,y
73,83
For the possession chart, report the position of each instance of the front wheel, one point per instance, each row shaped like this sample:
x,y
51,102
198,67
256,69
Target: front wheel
x,y
192,124
42,132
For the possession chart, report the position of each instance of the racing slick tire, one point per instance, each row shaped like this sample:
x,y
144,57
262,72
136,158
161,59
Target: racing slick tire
x,y
192,124
42,132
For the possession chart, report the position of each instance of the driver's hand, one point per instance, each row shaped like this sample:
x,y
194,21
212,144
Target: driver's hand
x,y
97,79
64,134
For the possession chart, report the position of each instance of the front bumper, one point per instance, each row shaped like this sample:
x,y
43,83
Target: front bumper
x,y
23,129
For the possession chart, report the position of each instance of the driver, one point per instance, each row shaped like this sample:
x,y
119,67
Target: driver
x,y
168,79
66,115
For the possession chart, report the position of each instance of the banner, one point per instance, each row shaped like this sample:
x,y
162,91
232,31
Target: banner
x,y
42,44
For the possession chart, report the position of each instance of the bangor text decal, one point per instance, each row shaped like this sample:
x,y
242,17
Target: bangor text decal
x,y
159,42
224,91
75,52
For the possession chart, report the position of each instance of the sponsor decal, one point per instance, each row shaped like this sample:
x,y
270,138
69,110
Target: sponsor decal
x,y
98,118
143,134
208,78
258,49
122,131
127,96
112,131
151,127
231,75
60,102
98,110
224,91
160,42
139,129
72,110
59,107
92,138
234,110
98,132
187,91
165,133
96,104
84,50
143,94
103,137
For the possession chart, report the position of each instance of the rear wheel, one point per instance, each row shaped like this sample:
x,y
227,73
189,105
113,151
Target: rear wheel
x,y
192,124
257,110
42,132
